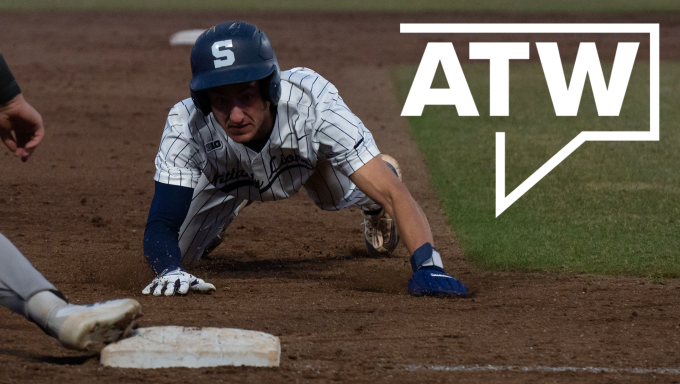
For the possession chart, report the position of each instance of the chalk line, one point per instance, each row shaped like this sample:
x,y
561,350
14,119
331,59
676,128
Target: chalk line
x,y
539,368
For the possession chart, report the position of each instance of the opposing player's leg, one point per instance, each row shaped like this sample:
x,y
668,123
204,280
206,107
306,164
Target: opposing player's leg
x,y
210,213
331,190
25,291
19,280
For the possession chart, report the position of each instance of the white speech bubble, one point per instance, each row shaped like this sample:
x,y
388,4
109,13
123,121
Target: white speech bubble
x,y
503,202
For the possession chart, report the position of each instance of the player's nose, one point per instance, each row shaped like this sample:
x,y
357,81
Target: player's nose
x,y
236,115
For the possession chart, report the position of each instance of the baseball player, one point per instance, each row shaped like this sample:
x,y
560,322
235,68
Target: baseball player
x,y
22,288
249,133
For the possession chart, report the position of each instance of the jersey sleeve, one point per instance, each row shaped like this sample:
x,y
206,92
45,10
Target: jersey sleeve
x,y
341,137
9,88
179,161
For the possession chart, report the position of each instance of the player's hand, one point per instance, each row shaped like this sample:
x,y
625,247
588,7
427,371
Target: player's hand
x,y
433,281
177,282
21,118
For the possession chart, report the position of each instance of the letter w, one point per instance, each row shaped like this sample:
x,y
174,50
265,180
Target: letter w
x,y
608,100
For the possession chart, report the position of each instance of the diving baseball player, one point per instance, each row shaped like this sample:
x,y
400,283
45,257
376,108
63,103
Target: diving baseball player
x,y
22,288
249,133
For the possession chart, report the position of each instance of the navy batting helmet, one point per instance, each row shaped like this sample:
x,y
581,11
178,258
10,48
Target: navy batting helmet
x,y
233,52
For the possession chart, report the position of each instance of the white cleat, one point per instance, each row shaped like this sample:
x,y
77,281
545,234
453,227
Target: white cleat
x,y
90,327
380,231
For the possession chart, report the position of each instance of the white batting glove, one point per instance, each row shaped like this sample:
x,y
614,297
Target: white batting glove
x,y
177,282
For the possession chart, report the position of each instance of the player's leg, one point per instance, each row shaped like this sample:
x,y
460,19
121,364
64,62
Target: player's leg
x,y
332,190
210,214
25,291
19,280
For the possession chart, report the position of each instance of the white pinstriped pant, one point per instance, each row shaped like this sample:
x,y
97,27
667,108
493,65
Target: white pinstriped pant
x,y
212,210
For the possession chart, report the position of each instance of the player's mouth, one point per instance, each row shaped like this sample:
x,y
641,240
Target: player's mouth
x,y
239,129
239,133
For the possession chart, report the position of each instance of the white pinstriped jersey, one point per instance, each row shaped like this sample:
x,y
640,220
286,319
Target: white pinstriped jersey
x,y
316,142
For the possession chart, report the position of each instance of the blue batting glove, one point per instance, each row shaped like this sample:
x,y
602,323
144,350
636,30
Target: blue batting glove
x,y
433,281
429,278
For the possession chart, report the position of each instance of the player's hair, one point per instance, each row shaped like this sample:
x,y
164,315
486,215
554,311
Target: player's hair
x,y
229,53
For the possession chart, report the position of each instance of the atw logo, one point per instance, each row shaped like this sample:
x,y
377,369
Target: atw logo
x,y
565,97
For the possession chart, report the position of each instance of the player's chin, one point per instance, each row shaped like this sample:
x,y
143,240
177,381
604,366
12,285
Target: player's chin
x,y
241,135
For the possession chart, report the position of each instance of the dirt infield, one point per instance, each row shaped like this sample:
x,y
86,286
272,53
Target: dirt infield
x,y
104,84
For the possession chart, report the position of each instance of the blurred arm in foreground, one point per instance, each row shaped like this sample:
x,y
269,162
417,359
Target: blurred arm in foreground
x,y
21,126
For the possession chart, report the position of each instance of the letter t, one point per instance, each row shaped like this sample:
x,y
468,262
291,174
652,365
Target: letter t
x,y
499,56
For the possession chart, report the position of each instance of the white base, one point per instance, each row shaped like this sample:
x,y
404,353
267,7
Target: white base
x,y
173,346
187,37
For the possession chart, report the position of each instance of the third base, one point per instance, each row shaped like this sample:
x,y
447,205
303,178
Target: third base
x,y
173,346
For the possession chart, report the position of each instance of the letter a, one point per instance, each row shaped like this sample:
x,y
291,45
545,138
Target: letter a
x,y
421,94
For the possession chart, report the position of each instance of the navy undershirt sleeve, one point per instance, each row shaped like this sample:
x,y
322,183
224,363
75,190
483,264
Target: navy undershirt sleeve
x,y
9,88
169,208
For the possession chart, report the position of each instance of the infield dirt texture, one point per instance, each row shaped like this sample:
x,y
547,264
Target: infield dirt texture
x,y
104,83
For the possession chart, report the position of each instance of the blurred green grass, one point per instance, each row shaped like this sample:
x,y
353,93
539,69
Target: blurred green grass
x,y
610,207
518,6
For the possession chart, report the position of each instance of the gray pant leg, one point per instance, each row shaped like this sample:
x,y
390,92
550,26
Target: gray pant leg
x,y
19,280
15,303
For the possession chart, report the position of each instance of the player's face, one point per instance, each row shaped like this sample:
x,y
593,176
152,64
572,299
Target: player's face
x,y
240,110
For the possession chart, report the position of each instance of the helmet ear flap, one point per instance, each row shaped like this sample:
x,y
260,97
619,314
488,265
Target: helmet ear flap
x,y
275,86
270,87
201,101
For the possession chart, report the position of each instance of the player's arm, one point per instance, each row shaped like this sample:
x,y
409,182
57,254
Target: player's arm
x,y
169,207
178,167
21,126
379,183
350,148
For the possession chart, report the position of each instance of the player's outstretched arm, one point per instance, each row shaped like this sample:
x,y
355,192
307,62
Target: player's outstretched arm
x,y
379,183
169,208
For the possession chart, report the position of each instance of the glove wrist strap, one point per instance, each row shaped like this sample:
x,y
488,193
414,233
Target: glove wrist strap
x,y
426,256
168,271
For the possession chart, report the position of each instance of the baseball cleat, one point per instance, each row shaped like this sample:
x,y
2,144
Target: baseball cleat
x,y
90,327
380,231
433,281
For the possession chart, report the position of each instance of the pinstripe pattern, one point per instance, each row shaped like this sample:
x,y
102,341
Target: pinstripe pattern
x,y
316,142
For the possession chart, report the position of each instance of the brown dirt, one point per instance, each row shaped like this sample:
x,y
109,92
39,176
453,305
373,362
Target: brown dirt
x,y
104,83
